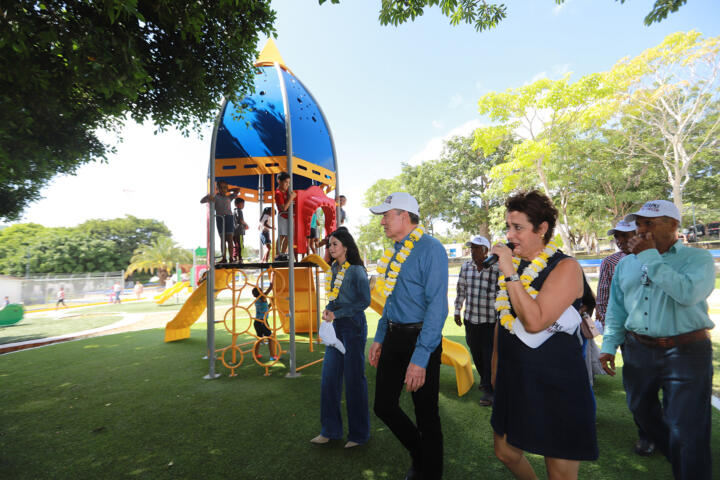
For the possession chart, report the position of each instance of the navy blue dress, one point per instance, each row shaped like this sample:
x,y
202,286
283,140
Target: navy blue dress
x,y
543,399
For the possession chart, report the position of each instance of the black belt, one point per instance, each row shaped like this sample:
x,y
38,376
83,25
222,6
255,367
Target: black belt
x,y
404,327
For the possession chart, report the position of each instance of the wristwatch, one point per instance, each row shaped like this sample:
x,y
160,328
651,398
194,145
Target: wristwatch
x,y
513,278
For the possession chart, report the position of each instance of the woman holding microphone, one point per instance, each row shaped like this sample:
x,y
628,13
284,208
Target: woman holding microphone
x,y
348,292
543,400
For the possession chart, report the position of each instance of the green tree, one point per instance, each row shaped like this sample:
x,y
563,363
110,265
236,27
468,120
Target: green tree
x,y
671,92
68,250
483,14
126,234
69,68
158,257
17,247
460,187
543,118
371,237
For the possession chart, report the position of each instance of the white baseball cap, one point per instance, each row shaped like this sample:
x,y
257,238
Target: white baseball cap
x,y
478,240
400,201
655,208
623,226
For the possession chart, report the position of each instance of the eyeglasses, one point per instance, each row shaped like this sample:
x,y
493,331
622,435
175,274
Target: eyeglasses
x,y
644,279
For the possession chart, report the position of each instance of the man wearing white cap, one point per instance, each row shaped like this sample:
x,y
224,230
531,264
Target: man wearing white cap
x,y
408,342
658,309
477,288
622,233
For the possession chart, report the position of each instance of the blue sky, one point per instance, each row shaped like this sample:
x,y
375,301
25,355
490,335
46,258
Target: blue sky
x,y
390,94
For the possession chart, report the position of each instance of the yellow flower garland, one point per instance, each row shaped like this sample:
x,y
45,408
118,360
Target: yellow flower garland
x,y
334,290
389,271
530,273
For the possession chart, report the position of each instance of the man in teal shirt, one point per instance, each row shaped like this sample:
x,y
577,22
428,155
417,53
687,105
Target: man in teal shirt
x,y
408,341
658,310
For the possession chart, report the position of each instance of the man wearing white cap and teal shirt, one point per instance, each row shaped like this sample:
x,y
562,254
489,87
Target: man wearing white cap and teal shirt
x,y
658,309
408,342
477,289
622,233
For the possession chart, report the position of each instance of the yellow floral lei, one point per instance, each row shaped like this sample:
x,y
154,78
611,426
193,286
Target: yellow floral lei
x,y
530,273
386,282
334,290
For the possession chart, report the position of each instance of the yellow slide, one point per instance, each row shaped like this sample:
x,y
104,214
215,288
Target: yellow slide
x,y
453,353
161,297
179,327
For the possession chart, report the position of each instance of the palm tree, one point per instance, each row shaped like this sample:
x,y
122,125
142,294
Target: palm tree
x,y
158,258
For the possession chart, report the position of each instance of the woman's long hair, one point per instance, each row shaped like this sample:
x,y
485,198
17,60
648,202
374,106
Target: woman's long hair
x,y
347,240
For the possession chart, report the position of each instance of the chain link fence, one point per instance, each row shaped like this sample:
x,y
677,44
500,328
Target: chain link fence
x,y
85,287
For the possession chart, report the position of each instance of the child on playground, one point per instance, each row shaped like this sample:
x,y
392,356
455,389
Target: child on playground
x,y
312,238
60,298
284,198
265,227
261,329
224,216
239,230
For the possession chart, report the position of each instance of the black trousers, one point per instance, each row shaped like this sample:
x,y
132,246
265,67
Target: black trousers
x,y
479,338
423,439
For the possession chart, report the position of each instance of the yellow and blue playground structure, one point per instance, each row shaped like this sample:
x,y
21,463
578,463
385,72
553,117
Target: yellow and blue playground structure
x,y
279,127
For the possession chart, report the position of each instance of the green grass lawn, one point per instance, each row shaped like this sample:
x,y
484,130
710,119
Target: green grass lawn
x,y
131,406
50,325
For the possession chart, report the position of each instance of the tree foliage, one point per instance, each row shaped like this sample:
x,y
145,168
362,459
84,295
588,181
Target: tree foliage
x,y
94,246
158,257
671,92
126,234
483,14
69,68
371,237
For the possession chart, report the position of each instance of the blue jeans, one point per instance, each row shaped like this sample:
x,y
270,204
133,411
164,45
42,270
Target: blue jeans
x,y
352,332
680,427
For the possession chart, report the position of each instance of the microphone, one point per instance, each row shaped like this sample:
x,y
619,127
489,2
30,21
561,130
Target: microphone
x,y
492,259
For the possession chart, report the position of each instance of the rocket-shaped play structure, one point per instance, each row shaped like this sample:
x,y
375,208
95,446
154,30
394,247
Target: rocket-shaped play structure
x,y
279,127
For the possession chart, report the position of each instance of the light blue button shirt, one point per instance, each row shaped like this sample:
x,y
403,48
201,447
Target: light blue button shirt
x,y
671,301
354,294
420,295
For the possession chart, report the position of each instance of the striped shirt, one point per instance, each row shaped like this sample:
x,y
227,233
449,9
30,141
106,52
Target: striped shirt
x,y
607,270
477,289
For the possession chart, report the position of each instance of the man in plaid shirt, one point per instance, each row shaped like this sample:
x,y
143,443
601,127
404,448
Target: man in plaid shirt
x,y
477,288
622,232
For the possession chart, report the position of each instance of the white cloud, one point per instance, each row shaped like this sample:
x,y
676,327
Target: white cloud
x,y
455,101
437,124
434,147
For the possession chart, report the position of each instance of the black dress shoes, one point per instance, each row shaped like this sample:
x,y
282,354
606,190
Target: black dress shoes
x,y
644,447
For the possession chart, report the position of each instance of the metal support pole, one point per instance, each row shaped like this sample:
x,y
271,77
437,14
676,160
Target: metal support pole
x,y
291,225
210,280
317,298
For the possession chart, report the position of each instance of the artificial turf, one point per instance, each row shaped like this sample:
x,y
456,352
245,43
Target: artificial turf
x,y
131,406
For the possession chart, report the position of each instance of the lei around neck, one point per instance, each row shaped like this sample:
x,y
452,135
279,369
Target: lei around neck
x,y
529,274
334,290
389,271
